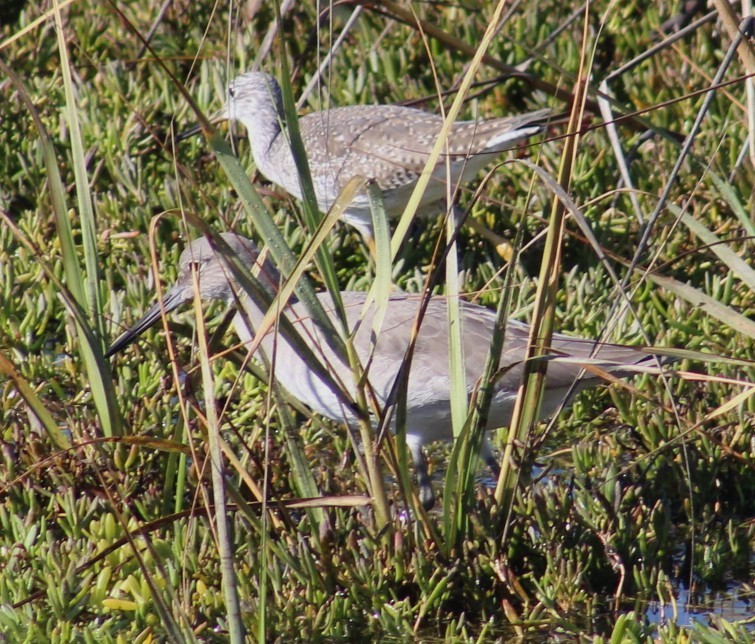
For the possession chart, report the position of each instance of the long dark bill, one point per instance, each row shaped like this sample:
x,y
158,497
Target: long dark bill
x,y
174,297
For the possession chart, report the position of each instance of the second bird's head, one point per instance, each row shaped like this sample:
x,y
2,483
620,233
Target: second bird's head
x,y
210,261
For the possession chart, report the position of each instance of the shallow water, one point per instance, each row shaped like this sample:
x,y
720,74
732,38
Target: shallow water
x,y
735,604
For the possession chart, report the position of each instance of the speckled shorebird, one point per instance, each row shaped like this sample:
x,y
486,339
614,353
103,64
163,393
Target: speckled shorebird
x,y
428,405
388,144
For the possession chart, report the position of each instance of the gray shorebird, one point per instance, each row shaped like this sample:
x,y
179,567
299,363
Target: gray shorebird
x,y
387,144
428,411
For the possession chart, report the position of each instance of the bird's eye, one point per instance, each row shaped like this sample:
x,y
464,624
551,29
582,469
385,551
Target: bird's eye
x,y
195,266
231,91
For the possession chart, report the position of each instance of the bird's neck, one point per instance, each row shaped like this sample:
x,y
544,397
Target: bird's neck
x,y
263,123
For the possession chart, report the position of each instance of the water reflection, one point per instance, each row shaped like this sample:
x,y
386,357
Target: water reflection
x,y
735,604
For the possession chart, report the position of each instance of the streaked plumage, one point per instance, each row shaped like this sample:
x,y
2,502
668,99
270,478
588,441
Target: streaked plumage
x,y
387,144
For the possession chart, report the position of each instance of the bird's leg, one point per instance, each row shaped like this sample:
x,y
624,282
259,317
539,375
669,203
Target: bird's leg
x,y
426,494
490,459
502,245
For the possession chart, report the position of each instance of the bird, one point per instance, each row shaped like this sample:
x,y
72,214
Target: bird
x,y
428,406
388,145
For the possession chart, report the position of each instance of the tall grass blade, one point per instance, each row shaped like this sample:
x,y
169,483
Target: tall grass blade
x,y
463,462
728,257
327,272
264,224
456,362
458,377
304,479
380,290
97,368
711,306
727,192
85,290
84,198
526,408
8,369
224,540
311,208
313,218
378,298
457,372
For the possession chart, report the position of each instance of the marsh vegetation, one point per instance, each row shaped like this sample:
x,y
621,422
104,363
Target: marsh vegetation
x,y
615,521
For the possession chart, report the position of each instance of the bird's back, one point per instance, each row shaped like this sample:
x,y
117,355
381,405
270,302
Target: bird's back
x,y
390,145
428,390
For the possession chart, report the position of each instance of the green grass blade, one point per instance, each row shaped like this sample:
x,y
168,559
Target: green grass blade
x,y
313,217
97,368
462,464
312,214
224,540
728,257
8,369
86,289
264,224
735,204
380,290
527,406
90,285
711,306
